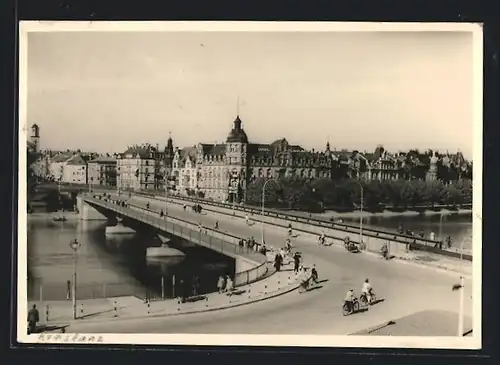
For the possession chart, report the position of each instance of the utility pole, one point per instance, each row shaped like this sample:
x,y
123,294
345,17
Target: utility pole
x,y
75,245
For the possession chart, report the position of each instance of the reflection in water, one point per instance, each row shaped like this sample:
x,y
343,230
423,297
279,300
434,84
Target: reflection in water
x,y
115,265
458,226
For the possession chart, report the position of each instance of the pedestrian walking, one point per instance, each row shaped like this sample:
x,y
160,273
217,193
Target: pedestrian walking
x,y
220,284
282,253
229,284
400,229
448,241
296,263
33,318
195,285
277,262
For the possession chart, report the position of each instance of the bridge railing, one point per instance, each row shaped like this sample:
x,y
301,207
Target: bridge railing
x,y
312,221
345,231
208,237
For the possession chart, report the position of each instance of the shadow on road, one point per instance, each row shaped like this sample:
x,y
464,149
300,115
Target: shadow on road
x,y
323,281
378,300
314,288
361,310
90,315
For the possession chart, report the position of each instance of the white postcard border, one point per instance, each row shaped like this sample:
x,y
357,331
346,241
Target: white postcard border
x,y
472,342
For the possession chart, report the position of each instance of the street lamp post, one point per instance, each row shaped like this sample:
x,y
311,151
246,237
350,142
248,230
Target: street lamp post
x,y
166,191
263,201
361,214
118,181
75,245
462,294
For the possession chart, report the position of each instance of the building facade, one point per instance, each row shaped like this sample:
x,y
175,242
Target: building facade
x,y
225,170
136,168
102,171
57,165
74,171
212,171
184,172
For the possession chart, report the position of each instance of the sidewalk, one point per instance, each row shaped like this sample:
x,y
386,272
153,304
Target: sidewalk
x,y
60,313
438,261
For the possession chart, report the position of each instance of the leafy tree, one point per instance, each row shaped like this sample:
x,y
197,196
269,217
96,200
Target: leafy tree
x,y
296,193
374,195
433,191
452,195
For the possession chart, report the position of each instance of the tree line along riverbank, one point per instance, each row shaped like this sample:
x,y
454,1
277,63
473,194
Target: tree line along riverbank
x,y
345,196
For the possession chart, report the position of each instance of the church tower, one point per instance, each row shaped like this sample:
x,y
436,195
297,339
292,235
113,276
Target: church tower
x,y
237,162
169,152
35,137
431,174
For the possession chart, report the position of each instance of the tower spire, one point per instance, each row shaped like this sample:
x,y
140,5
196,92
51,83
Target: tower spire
x,y
238,106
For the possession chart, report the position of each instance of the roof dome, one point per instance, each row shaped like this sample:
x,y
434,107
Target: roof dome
x,y
237,134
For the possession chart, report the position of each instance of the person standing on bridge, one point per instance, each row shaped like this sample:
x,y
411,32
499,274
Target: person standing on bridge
x,y
246,219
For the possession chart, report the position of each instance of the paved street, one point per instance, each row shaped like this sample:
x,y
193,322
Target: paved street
x,y
405,288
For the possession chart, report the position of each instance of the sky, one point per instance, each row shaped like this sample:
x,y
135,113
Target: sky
x,y
103,91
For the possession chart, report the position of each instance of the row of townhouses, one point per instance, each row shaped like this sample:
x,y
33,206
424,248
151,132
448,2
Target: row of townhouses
x,y
224,171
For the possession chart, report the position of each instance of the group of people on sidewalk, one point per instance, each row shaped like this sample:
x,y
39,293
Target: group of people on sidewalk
x,y
248,244
225,284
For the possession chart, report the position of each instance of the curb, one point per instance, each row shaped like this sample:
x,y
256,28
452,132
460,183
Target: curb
x,y
204,310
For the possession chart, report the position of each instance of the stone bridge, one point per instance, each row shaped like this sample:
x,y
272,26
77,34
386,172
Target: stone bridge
x,y
250,266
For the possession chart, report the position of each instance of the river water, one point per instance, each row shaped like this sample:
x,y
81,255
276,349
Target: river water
x,y
457,226
110,266
117,265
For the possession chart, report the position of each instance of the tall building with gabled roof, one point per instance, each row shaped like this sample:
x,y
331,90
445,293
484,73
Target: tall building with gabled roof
x,y
136,168
225,170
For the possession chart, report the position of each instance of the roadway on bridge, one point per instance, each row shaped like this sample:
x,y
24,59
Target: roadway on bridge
x,y
406,289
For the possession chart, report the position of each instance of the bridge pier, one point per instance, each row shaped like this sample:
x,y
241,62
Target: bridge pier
x,y
87,212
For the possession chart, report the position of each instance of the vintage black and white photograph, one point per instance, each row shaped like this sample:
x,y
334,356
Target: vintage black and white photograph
x,y
213,182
